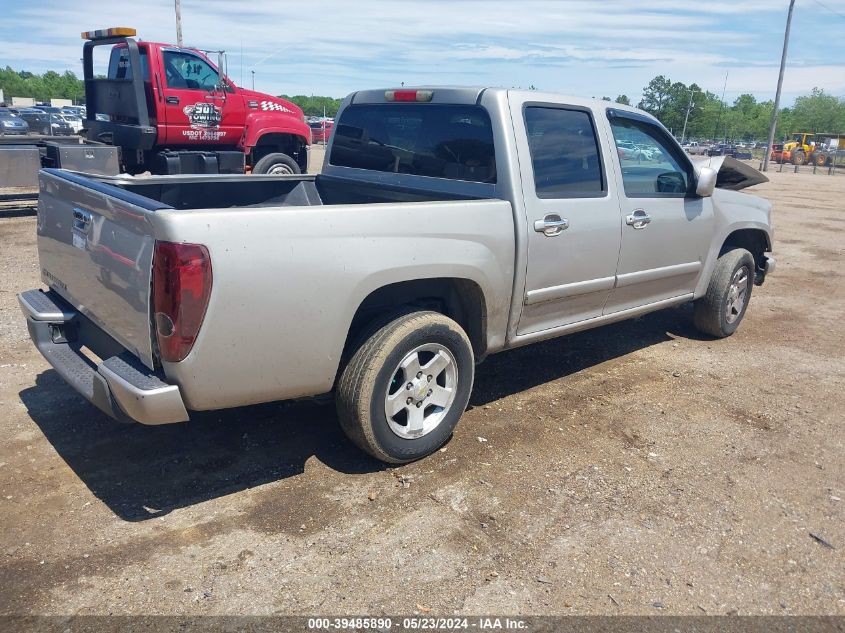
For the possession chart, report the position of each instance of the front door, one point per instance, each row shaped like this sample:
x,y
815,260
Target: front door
x,y
197,110
666,228
572,213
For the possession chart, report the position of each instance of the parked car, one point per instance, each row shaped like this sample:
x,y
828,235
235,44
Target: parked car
x,y
639,152
45,123
74,121
447,224
694,148
48,108
722,149
77,111
649,152
320,131
726,149
11,123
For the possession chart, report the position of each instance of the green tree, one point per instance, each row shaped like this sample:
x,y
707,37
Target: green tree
x,y
623,99
315,106
50,85
819,112
656,96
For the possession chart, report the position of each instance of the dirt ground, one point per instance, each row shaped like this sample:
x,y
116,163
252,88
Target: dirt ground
x,y
638,468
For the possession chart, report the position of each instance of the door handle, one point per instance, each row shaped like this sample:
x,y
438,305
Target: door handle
x,y
551,225
173,100
638,219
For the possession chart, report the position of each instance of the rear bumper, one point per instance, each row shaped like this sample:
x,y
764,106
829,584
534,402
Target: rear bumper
x,y
120,385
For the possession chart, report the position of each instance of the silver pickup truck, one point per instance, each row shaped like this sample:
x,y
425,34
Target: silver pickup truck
x,y
447,224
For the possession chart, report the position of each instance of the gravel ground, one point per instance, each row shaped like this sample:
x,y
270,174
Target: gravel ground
x,y
639,469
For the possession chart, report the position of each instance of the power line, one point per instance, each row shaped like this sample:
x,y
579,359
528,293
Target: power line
x,y
824,6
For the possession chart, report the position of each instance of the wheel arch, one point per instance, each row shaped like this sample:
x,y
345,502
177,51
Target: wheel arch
x,y
458,298
753,236
282,141
754,240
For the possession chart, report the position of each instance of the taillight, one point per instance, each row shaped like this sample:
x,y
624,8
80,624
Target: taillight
x,y
181,289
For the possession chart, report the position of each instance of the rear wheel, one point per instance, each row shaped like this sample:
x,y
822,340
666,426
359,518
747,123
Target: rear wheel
x,y
719,312
798,158
276,163
403,391
820,160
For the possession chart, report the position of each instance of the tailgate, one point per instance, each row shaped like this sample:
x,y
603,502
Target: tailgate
x,y
95,246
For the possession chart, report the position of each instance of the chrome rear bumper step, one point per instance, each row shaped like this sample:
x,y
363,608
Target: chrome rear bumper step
x,y
120,386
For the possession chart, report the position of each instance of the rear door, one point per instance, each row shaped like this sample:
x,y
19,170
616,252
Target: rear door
x,y
197,111
666,228
572,213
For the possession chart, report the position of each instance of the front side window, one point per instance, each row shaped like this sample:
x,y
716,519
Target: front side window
x,y
651,165
186,71
442,141
564,153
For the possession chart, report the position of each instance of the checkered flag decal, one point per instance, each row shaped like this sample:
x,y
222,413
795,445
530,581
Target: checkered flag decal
x,y
271,105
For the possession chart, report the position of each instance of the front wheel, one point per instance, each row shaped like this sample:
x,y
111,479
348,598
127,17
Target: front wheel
x,y
798,158
720,311
276,163
403,391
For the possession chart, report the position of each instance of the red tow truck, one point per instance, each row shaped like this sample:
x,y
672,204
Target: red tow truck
x,y
170,110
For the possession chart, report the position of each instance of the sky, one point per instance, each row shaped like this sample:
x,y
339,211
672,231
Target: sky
x,y
588,48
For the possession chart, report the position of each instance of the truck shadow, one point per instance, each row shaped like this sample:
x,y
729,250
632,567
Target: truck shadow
x,y
142,472
526,367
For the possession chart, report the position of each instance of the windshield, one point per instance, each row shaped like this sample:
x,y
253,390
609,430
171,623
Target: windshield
x,y
441,141
799,138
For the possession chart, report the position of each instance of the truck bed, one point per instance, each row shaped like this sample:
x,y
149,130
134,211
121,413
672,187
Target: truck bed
x,y
230,191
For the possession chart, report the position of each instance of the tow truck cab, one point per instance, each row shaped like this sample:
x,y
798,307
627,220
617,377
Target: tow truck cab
x,y
171,110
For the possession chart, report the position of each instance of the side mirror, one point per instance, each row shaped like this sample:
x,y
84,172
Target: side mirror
x,y
671,182
705,181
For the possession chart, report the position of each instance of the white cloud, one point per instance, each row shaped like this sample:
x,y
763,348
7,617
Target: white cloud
x,y
336,46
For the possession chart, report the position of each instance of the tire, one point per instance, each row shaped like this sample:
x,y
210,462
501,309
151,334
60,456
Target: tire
x,y
719,312
276,163
820,160
798,158
373,379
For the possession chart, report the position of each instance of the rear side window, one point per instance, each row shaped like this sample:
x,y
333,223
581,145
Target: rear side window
x,y
120,68
441,141
564,153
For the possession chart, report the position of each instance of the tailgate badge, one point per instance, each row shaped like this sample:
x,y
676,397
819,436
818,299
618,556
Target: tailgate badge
x,y
81,226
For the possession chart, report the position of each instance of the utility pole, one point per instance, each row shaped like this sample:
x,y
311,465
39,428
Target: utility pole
x,y
721,107
179,23
686,118
774,124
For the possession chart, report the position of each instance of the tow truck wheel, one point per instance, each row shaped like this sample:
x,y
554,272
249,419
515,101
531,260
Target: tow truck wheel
x,y
798,158
405,388
276,163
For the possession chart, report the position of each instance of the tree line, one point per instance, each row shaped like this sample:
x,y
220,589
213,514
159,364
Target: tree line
x,y
50,85
315,106
745,119
709,117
